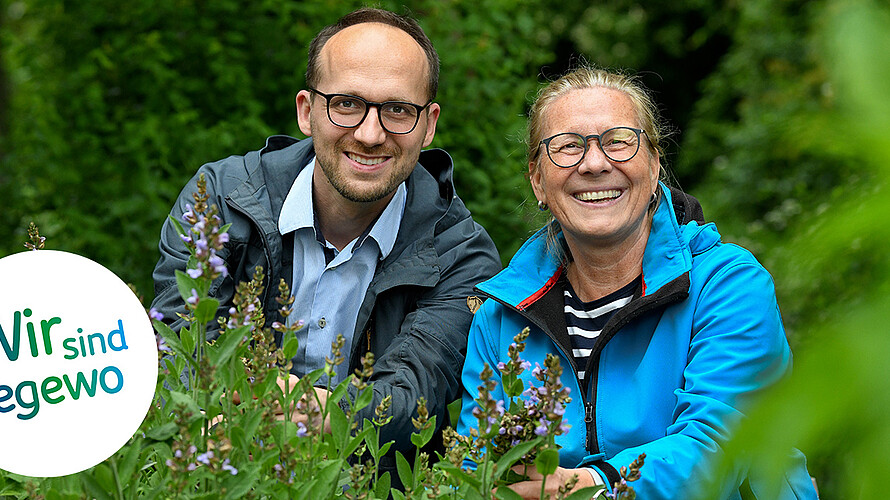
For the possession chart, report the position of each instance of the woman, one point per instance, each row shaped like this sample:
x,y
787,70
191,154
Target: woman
x,y
665,333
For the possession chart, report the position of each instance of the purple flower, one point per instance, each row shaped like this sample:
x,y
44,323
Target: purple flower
x,y
169,463
228,467
194,273
204,458
188,215
302,431
154,314
192,449
525,365
185,238
541,430
502,366
194,298
192,466
278,467
223,238
500,407
162,344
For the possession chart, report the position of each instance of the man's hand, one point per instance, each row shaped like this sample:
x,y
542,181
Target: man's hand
x,y
531,489
297,413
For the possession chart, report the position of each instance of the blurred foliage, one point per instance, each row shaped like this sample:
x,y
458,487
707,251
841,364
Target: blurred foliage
x,y
106,110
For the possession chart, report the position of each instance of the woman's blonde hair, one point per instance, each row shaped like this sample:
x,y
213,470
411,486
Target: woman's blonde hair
x,y
585,77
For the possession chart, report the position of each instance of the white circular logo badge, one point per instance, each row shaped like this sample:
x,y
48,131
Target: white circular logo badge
x,y
78,363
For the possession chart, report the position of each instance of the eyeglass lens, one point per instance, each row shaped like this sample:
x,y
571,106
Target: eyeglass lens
x,y
349,111
618,144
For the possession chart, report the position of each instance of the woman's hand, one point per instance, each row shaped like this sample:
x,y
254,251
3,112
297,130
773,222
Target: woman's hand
x,y
531,489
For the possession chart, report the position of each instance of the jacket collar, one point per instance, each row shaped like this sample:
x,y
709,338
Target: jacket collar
x,y
533,271
430,198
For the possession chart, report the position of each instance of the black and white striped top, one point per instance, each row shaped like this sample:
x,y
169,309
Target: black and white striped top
x,y
585,320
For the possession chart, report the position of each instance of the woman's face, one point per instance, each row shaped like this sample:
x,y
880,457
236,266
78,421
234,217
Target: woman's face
x,y
598,202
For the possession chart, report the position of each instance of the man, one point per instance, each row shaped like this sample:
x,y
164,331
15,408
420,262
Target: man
x,y
364,226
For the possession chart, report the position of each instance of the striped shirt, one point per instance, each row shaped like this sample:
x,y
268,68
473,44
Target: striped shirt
x,y
585,320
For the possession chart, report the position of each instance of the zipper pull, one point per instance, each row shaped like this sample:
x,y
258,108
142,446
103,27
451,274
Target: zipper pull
x,y
588,412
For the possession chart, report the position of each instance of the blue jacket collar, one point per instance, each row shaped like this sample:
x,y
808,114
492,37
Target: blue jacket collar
x,y
533,270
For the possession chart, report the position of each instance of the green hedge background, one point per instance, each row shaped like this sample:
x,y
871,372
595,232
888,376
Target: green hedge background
x,y
107,108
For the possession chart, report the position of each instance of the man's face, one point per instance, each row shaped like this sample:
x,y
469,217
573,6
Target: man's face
x,y
366,164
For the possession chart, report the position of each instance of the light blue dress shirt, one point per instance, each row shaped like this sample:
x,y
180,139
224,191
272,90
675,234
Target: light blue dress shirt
x,y
328,294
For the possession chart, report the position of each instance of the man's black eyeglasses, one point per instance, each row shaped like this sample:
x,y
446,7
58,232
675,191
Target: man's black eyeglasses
x,y
349,111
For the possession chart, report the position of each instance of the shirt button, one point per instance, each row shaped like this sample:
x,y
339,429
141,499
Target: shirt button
x,y
322,322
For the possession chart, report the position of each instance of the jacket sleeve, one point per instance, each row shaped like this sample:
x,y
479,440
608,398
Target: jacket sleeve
x,y
737,349
425,358
175,255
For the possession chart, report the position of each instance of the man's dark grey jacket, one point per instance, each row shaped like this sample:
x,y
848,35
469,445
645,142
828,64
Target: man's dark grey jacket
x,y
415,314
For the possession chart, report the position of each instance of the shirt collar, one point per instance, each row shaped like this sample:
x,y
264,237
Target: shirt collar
x,y
297,212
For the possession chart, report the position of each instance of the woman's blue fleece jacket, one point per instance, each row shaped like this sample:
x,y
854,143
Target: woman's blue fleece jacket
x,y
671,374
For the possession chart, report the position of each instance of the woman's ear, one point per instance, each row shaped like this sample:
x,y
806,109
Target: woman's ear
x,y
537,181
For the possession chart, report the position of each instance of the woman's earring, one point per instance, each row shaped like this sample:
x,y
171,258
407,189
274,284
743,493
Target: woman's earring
x,y
653,200
542,206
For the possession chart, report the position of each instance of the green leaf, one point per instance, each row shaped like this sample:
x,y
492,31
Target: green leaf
x,y
206,310
226,344
177,225
515,453
364,399
355,442
381,489
459,474
585,493
405,473
505,493
547,461
91,485
173,341
396,494
339,424
187,336
182,399
129,458
163,432
327,478
291,344
186,284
